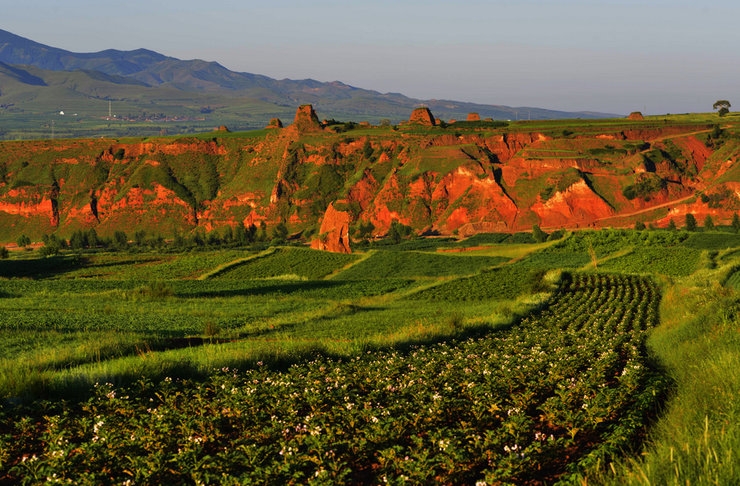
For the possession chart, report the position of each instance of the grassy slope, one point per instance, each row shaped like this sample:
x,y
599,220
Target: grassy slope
x,y
697,438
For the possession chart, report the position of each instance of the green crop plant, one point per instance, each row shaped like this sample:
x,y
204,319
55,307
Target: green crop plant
x,y
306,407
488,360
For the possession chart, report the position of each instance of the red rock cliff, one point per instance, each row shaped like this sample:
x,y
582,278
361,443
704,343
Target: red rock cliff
x,y
462,181
334,232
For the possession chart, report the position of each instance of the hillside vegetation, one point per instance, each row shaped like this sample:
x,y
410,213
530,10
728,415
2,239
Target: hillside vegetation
x,y
442,179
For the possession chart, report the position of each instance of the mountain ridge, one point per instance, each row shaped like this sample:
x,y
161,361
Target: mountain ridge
x,y
183,88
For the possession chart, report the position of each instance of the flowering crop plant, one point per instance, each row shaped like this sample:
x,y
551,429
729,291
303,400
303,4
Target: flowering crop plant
x,y
564,388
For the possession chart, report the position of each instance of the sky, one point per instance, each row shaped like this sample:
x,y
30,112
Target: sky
x,y
654,56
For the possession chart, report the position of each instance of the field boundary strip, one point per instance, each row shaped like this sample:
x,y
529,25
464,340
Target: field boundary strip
x,y
239,261
363,256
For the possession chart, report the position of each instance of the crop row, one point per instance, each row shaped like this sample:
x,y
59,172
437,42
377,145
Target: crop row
x,y
117,266
675,261
394,264
296,262
607,241
570,381
733,280
175,307
712,241
502,283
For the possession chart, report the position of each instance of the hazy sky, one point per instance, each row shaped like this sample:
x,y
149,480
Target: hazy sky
x,y
656,56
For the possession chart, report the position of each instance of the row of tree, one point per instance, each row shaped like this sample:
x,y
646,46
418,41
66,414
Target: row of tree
x,y
690,223
242,236
237,236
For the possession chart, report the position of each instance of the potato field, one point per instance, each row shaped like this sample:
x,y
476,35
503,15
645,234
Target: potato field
x,y
493,365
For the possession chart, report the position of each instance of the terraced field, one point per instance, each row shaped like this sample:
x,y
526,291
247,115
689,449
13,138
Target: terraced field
x,y
503,363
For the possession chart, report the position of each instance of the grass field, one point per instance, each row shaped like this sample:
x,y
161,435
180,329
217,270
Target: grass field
x,y
475,362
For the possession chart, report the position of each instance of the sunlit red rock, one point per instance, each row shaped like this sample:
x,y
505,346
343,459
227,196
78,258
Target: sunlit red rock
x,y
334,232
422,116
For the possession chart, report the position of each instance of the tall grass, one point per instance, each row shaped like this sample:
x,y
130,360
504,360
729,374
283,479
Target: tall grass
x,y
696,441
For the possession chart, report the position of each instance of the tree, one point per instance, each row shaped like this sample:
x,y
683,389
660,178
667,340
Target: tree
x,y
4,253
78,240
365,230
639,225
716,132
279,233
723,107
23,241
690,222
199,238
213,238
261,235
240,234
671,225
538,235
52,245
735,223
120,240
92,238
398,231
178,241
708,223
228,235
140,238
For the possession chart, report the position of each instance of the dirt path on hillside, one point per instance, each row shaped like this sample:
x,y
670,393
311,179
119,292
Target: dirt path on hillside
x,y
665,204
679,135
647,210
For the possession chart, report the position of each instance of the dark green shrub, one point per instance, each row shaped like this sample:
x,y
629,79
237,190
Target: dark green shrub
x,y
645,186
538,235
690,222
23,241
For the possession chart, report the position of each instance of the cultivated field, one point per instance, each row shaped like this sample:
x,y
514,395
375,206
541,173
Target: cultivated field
x,y
606,356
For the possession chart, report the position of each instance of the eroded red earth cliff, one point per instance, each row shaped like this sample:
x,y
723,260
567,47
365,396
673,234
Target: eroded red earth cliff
x,y
320,179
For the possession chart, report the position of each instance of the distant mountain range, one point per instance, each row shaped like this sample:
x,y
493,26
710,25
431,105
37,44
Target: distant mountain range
x,y
38,80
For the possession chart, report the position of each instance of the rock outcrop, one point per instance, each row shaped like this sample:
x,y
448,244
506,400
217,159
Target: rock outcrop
x,y
443,181
422,116
334,232
577,206
466,201
275,123
306,120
